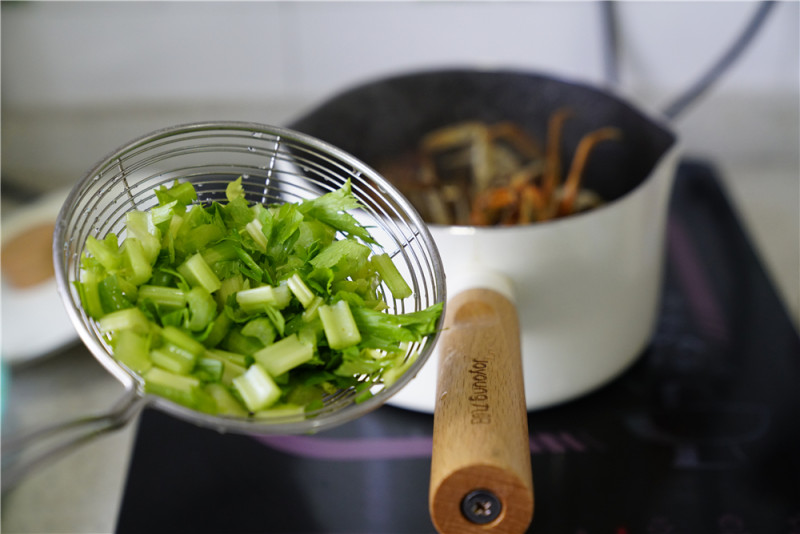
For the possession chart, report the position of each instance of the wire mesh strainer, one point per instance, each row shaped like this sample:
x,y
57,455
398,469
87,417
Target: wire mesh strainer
x,y
276,165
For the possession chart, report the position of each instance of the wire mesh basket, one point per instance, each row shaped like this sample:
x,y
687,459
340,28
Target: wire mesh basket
x,y
276,165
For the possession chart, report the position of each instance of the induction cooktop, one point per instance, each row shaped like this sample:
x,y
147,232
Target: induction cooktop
x,y
700,435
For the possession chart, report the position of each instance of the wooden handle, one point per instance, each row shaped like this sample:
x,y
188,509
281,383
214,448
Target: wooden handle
x,y
481,465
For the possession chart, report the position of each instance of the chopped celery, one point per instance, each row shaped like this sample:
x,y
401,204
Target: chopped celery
x,y
249,310
340,328
239,343
260,328
284,355
391,276
136,262
209,370
257,388
178,388
226,403
176,336
89,292
202,308
300,290
106,251
230,368
198,273
116,293
256,298
228,287
127,319
132,349
312,311
182,192
254,230
140,225
345,255
218,330
286,412
171,297
160,216
173,358
241,360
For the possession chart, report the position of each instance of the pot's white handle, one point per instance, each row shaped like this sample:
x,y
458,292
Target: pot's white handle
x,y
481,467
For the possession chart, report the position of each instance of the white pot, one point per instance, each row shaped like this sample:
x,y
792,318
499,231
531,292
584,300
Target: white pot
x,y
586,288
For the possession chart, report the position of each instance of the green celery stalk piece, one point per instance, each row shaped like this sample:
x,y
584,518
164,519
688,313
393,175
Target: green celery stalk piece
x,y
219,329
339,325
106,251
391,276
127,319
170,235
226,403
112,296
170,297
202,308
140,225
300,290
236,358
222,251
173,359
229,286
257,388
209,369
285,412
239,343
132,350
198,273
255,299
177,388
255,230
311,313
284,355
230,369
175,336
262,329
136,262
89,292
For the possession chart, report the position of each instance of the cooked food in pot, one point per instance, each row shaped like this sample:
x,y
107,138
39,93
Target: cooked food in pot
x,y
474,173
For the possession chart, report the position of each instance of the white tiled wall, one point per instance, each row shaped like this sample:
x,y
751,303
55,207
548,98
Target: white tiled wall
x,y
80,78
89,52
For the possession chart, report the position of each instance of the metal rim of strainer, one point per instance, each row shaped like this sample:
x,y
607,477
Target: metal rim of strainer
x,y
277,165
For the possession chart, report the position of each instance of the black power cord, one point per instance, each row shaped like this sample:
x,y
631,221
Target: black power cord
x,y
704,83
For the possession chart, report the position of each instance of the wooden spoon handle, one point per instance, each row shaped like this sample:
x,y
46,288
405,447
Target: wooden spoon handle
x,y
481,466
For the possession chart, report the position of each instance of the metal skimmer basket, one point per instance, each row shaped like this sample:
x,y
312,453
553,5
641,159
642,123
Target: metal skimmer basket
x,y
276,165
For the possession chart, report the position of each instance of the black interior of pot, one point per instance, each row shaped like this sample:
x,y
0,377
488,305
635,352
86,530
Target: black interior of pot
x,y
386,118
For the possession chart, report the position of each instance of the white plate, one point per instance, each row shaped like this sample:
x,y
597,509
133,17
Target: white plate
x,y
34,322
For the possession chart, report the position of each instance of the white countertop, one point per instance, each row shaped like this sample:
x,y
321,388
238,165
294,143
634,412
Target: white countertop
x,y
81,493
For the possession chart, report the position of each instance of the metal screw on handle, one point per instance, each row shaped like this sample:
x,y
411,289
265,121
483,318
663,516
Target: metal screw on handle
x,y
481,506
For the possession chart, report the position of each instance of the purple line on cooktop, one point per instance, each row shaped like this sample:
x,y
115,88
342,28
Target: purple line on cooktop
x,y
398,448
703,304
351,448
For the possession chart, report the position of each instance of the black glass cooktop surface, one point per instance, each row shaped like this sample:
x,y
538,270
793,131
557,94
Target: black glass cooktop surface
x,y
701,435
